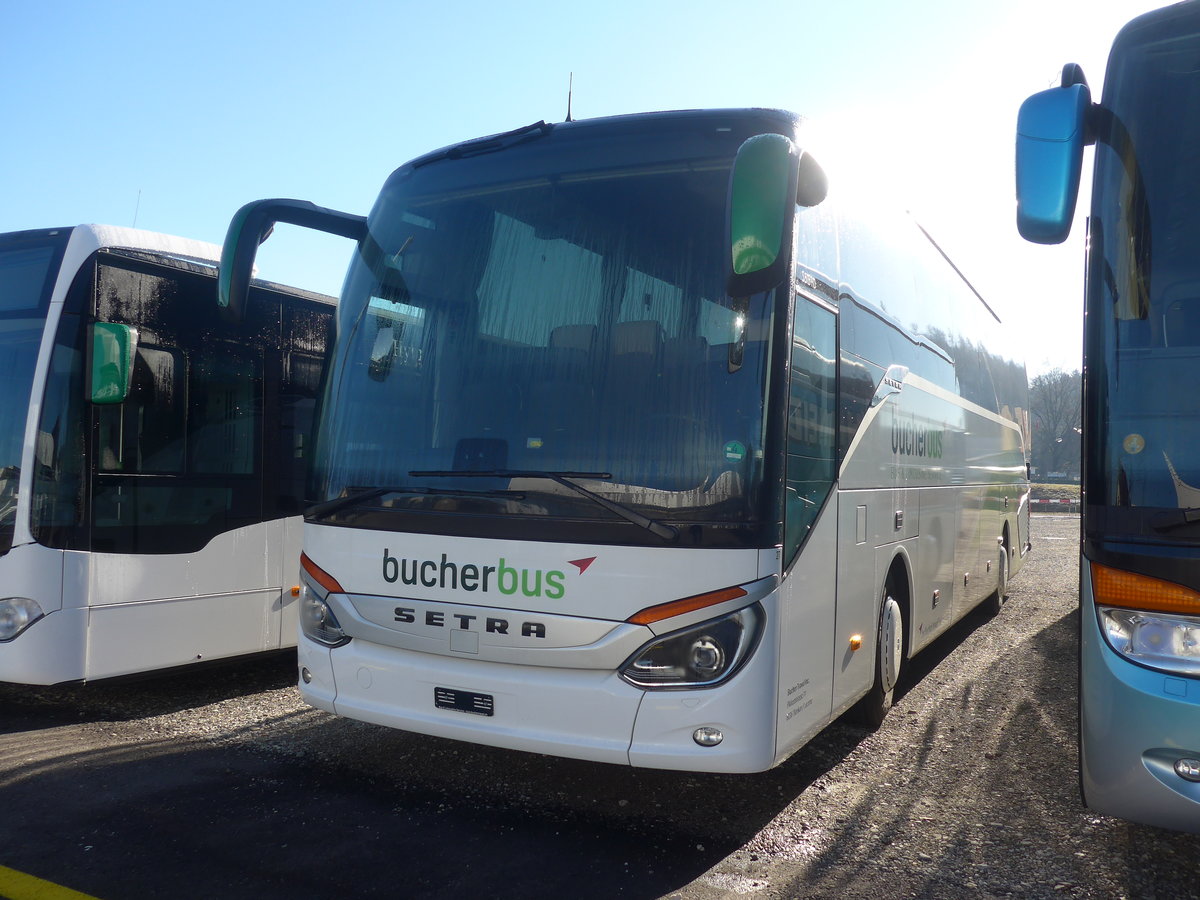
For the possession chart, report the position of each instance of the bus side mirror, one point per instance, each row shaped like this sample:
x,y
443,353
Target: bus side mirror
x,y
1051,135
252,224
111,374
760,213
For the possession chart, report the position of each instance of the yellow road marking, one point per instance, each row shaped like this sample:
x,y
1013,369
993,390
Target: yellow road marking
x,y
16,885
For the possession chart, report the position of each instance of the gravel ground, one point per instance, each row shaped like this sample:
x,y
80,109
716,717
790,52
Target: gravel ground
x,y
967,790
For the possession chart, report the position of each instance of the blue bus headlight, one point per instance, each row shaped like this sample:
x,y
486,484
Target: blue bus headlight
x,y
17,614
1156,639
698,656
317,620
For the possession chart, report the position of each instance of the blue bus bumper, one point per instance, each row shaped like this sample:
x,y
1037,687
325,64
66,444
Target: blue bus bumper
x,y
1135,724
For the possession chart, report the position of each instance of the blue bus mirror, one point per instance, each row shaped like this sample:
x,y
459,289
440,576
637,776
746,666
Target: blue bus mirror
x,y
761,209
252,224
113,347
1051,135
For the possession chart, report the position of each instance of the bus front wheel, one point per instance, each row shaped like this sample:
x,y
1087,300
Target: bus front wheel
x,y
889,655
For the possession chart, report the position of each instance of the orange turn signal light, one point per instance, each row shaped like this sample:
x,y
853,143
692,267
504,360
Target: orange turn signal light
x,y
319,575
653,614
1114,587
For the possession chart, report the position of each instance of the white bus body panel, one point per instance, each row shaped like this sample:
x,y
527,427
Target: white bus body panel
x,y
923,488
809,647
117,614
53,648
155,611
598,582
587,714
558,692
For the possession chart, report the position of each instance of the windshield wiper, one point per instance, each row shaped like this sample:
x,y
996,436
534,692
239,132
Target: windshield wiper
x,y
1175,518
356,497
320,510
666,532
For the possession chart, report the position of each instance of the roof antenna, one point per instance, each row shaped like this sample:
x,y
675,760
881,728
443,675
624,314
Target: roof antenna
x,y
570,89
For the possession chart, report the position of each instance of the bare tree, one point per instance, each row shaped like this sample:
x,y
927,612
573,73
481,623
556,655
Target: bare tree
x,y
1055,401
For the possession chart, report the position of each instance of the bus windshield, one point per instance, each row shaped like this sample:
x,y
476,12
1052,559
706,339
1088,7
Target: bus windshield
x,y
548,310
27,269
1144,461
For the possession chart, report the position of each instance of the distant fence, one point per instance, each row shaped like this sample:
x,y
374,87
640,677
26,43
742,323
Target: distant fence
x,y
1054,506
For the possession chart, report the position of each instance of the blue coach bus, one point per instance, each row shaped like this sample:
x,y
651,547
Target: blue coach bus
x,y
1140,574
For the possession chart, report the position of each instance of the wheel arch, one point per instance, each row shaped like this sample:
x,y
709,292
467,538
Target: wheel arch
x,y
899,577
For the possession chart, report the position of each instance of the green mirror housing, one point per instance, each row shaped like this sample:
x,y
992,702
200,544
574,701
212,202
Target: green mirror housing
x,y
252,224
770,176
762,189
111,373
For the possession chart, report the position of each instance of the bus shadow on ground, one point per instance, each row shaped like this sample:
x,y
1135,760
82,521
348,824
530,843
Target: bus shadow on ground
x,y
145,695
539,826
401,814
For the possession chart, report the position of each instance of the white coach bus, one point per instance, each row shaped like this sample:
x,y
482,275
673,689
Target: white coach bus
x,y
152,455
637,446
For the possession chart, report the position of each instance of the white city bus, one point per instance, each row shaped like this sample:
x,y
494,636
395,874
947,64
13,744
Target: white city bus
x,y
1140,578
152,455
639,447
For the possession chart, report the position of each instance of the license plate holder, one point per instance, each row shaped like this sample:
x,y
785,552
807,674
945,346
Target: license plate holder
x,y
470,702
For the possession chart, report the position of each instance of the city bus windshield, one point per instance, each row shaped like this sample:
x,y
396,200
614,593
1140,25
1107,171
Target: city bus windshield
x,y
27,268
1144,292
551,307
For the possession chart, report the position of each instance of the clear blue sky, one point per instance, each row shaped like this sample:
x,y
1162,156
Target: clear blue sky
x,y
173,115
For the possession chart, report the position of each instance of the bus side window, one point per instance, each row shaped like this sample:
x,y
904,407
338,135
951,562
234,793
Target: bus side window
x,y
811,421
144,434
224,410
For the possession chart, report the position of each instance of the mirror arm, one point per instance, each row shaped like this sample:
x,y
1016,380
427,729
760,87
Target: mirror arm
x,y
253,224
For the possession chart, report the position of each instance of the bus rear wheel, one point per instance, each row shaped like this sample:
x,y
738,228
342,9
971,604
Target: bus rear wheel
x,y
996,602
889,655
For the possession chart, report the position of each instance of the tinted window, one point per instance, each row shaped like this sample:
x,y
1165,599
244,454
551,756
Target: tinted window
x,y
811,421
28,270
182,459
1143,316
558,306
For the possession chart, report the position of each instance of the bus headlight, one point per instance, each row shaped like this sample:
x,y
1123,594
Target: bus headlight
x,y
699,656
317,620
1156,639
17,614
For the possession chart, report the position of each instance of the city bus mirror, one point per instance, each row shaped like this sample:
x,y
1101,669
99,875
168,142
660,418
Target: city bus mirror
x,y
113,348
252,224
1051,135
762,189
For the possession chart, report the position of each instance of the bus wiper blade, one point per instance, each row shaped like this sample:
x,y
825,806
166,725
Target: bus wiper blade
x,y
320,510
1175,518
361,496
666,532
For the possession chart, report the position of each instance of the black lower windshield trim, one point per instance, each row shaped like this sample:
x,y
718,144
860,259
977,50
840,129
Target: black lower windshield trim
x,y
713,535
1167,561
